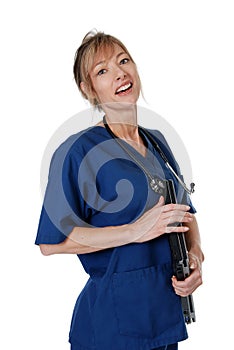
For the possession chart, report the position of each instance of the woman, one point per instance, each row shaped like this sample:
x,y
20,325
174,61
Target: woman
x,y
105,203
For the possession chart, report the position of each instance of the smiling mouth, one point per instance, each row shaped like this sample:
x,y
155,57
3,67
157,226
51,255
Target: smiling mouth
x,y
124,88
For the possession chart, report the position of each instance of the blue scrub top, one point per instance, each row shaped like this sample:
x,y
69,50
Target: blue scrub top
x,y
128,302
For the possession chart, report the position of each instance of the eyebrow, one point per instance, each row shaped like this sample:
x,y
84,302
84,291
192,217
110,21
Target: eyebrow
x,y
117,56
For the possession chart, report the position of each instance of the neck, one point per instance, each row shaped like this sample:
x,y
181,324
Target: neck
x,y
123,123
122,119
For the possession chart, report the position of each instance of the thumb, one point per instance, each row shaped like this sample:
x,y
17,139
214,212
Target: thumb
x,y
192,265
192,261
160,201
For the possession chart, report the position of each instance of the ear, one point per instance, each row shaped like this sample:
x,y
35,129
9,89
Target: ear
x,y
83,88
88,91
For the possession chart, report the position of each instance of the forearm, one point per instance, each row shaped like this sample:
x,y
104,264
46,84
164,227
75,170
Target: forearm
x,y
150,225
193,239
84,240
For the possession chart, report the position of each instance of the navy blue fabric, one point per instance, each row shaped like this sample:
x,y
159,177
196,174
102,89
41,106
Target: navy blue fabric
x,y
167,347
128,301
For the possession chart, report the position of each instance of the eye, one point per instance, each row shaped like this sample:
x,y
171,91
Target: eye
x,y
124,60
101,71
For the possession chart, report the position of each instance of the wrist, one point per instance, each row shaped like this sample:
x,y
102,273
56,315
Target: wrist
x,y
136,232
196,250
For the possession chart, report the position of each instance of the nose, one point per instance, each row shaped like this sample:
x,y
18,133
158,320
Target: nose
x,y
119,73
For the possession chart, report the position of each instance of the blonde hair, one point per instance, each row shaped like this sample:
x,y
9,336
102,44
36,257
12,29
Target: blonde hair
x,y
92,43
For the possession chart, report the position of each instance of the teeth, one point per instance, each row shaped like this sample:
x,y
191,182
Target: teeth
x,y
124,87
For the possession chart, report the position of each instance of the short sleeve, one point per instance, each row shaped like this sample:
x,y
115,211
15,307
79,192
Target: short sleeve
x,y
63,206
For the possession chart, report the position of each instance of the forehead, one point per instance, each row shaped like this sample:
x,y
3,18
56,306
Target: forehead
x,y
105,53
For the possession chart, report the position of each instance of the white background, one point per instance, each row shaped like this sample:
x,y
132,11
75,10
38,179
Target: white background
x,y
184,52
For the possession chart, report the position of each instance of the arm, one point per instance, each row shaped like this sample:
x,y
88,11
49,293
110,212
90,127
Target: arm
x,y
196,257
150,225
193,241
84,240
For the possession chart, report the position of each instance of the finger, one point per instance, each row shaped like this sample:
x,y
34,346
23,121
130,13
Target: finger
x,y
193,264
177,212
174,229
183,207
189,285
176,217
184,291
194,261
156,209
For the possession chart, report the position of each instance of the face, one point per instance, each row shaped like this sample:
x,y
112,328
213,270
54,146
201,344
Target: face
x,y
114,77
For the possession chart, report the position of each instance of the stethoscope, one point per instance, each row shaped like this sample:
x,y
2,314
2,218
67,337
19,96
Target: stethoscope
x,y
163,156
156,184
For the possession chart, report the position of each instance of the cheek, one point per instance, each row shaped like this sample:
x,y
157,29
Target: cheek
x,y
136,77
97,89
137,84
103,90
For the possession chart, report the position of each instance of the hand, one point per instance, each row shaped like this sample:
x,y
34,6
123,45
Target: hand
x,y
191,283
154,222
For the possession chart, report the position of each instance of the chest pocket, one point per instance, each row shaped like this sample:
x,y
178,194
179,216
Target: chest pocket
x,y
145,303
